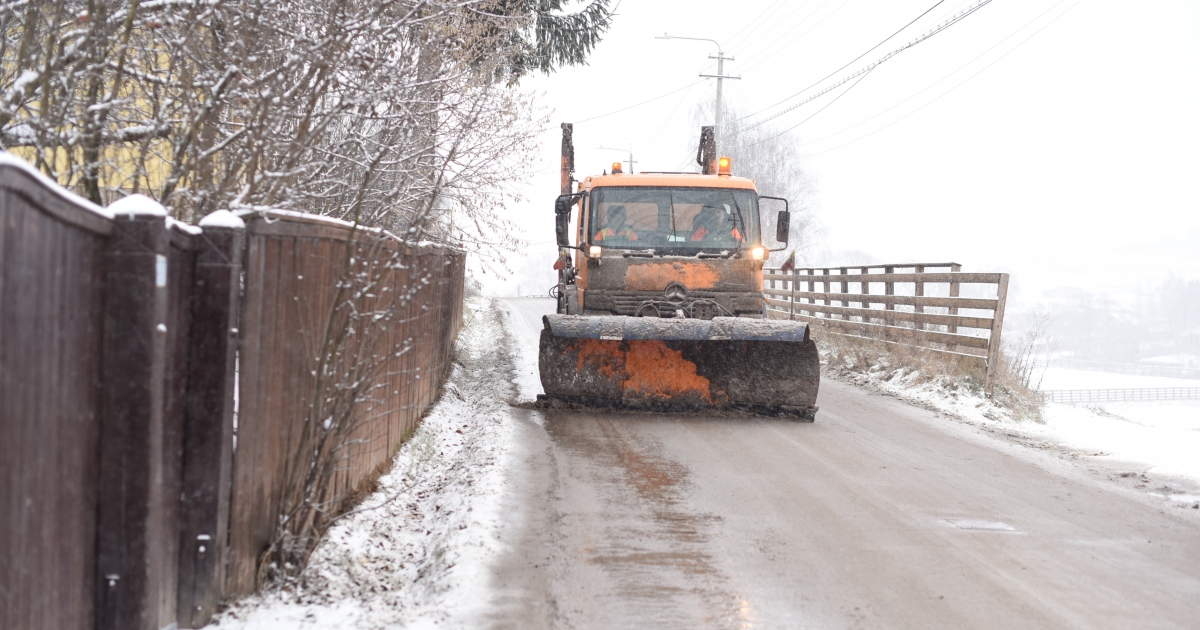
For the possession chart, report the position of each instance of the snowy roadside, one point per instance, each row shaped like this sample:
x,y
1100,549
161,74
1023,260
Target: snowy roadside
x,y
1160,438
414,554
523,321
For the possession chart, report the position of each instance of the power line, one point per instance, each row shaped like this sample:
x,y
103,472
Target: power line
x,y
835,99
951,10
662,127
691,85
733,39
769,46
956,86
649,100
947,76
847,64
973,60
869,67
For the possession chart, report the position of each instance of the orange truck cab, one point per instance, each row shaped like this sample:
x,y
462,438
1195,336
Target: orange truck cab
x,y
681,245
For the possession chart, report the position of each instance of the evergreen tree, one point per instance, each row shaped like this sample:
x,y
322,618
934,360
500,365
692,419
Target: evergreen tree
x,y
552,38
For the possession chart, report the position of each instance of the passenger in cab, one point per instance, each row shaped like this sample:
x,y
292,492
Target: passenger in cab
x,y
707,226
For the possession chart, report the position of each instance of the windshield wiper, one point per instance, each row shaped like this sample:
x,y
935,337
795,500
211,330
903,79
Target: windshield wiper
x,y
743,232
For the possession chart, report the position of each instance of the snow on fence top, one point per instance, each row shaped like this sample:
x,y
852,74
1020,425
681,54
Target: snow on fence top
x,y
50,186
338,228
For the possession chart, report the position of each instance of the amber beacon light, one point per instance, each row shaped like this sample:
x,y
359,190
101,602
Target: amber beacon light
x,y
616,168
723,166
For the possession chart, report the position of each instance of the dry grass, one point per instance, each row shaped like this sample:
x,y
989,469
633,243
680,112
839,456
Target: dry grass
x,y
956,374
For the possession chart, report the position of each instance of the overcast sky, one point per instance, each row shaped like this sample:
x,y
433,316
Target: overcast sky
x,y
1055,140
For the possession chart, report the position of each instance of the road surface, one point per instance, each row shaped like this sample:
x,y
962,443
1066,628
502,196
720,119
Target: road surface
x,y
878,515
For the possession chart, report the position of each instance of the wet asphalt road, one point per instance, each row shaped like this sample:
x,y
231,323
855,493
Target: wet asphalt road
x,y
878,515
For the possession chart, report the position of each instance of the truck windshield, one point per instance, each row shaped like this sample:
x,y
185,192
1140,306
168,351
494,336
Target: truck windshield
x,y
685,221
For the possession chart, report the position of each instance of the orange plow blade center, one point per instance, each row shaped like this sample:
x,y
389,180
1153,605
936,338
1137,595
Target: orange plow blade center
x,y
679,364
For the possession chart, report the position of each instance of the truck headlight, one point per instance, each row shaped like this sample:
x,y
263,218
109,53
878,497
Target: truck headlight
x,y
594,251
758,253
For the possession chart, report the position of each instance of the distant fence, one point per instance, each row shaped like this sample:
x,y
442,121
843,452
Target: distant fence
x,y
131,499
1125,368
1119,395
864,301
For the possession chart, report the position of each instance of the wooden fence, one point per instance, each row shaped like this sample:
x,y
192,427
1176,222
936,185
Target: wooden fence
x,y
129,482
897,303
1133,394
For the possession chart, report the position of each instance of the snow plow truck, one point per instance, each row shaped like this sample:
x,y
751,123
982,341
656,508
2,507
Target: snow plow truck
x,y
660,302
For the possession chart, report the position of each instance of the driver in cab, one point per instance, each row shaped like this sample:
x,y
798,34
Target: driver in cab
x,y
707,226
615,227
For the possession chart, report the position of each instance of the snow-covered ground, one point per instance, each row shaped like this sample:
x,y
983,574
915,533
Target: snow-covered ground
x,y
414,554
1164,436
1161,437
523,322
1063,378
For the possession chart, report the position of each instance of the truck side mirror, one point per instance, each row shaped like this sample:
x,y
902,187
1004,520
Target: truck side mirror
x,y
562,219
562,205
562,229
783,223
782,226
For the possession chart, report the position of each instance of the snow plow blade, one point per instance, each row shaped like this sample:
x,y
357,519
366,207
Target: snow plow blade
x,y
756,365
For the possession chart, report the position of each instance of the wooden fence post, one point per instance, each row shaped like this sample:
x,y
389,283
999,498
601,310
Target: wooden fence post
x,y
792,299
954,294
865,287
889,288
208,429
918,292
810,287
993,357
845,288
953,310
132,569
825,301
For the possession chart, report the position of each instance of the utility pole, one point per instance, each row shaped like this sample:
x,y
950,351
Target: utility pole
x,y
629,151
719,76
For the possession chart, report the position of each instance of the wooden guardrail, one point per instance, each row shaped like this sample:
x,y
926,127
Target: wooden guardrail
x,y
892,303
123,337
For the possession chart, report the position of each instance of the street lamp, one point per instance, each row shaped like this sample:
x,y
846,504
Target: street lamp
x,y
719,76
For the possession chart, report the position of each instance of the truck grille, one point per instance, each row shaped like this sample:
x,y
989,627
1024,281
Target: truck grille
x,y
701,304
